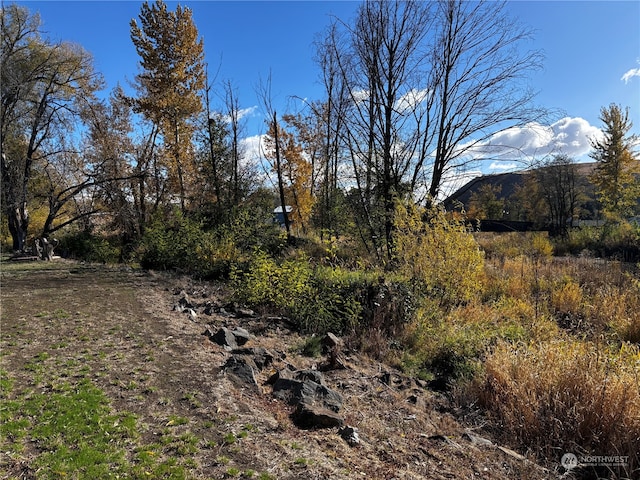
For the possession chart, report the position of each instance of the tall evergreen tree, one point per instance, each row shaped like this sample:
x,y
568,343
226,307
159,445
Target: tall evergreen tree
x,y
173,74
618,166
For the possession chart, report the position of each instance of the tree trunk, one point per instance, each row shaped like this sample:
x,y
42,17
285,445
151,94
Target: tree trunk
x,y
18,219
285,215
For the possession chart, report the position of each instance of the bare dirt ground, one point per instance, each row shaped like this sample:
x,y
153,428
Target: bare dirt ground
x,y
119,325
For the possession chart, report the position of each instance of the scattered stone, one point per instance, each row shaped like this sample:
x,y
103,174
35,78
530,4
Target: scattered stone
x,y
209,308
316,404
260,356
330,341
245,313
476,440
186,301
416,400
241,336
229,339
395,380
223,337
242,368
178,308
302,387
313,416
349,435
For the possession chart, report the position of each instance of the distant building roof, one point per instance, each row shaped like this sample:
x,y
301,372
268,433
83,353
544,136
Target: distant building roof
x,y
288,208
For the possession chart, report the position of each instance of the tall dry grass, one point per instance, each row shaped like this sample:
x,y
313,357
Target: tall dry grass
x,y
564,396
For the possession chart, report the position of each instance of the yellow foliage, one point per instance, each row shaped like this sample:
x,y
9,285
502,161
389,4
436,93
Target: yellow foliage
x,y
439,253
568,298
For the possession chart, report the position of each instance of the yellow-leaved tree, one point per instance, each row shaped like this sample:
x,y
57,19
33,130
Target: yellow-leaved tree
x,y
172,75
438,252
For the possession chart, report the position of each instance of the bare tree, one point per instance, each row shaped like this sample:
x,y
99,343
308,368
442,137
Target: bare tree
x,y
478,78
274,132
379,63
330,115
429,82
561,192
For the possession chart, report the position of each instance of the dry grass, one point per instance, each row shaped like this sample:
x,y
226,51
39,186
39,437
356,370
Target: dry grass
x,y
573,384
565,396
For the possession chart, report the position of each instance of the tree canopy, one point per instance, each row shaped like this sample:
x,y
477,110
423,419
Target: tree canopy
x,y
618,168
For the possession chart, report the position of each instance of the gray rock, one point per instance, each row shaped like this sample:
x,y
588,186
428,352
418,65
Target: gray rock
x,y
330,341
260,355
245,313
349,435
313,416
241,335
316,404
242,368
225,338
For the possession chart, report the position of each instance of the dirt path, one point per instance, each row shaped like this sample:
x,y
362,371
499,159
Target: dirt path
x,y
117,327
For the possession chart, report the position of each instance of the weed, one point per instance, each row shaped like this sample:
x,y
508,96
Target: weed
x,y
229,438
192,399
175,420
312,347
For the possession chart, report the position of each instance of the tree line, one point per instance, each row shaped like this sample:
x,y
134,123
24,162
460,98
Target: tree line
x,y
411,91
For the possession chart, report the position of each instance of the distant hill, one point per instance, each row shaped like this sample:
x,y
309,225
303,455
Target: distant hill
x,y
506,186
506,182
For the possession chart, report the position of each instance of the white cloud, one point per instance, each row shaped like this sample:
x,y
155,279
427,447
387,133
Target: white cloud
x,y
569,135
504,166
247,112
242,113
251,147
411,99
634,72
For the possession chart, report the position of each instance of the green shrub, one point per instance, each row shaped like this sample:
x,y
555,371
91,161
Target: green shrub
x,y
183,244
448,346
173,244
318,300
620,241
91,248
333,301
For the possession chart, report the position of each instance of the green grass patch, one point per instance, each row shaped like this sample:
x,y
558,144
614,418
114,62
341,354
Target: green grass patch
x,y
76,433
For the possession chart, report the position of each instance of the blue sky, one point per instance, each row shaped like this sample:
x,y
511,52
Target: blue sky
x,y
592,53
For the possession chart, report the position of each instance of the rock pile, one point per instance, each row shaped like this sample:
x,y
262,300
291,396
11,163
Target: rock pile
x,y
315,404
